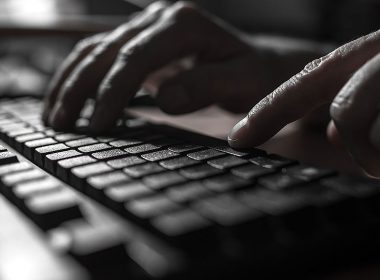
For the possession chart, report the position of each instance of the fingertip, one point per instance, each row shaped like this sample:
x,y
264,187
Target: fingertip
x,y
238,137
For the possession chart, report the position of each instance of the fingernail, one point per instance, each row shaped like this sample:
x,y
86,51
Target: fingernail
x,y
374,135
173,98
236,133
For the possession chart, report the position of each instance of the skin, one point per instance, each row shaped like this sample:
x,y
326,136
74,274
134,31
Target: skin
x,y
226,68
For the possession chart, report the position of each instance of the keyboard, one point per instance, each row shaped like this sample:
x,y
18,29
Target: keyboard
x,y
150,201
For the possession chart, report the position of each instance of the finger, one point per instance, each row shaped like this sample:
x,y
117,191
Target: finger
x,y
314,86
85,78
333,135
182,31
354,111
82,49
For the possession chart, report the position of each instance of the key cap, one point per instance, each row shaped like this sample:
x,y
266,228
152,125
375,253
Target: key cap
x,y
51,209
278,182
2,148
205,155
143,169
125,142
40,153
93,246
184,148
79,174
94,148
179,162
114,153
127,191
97,184
250,172
227,162
200,172
141,149
125,162
19,132
81,142
228,150
50,161
20,140
68,137
30,146
188,192
308,173
272,161
22,176
7,157
152,206
63,166
186,229
225,210
159,155
162,180
14,167
226,183
39,186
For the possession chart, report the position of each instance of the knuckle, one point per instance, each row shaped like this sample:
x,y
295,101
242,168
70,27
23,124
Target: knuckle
x,y
89,42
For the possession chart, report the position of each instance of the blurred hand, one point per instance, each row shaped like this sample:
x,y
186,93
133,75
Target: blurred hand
x,y
349,80
112,67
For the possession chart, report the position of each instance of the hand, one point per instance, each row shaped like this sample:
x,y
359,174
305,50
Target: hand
x,y
349,80
112,67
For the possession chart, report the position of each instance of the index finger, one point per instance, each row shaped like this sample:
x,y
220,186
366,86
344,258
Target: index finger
x,y
314,86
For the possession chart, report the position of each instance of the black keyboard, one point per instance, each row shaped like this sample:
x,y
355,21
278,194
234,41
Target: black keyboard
x,y
149,201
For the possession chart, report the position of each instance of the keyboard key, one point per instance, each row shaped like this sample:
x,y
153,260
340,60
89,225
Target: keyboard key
x,y
14,167
94,148
184,148
251,171
50,161
22,176
186,226
179,162
81,142
64,166
68,137
98,183
127,191
125,162
51,209
278,182
225,210
19,132
272,161
159,155
226,183
7,157
205,155
308,173
40,153
152,206
30,146
188,192
109,154
143,169
20,140
227,162
39,186
142,149
93,246
162,180
80,174
225,148
200,172
125,142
